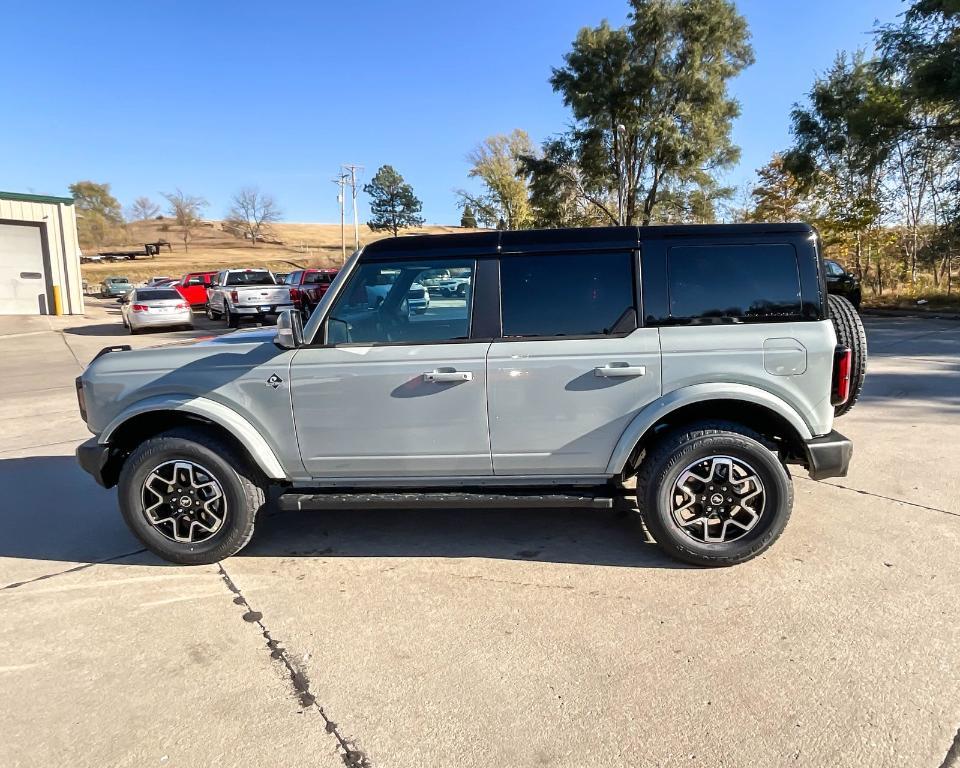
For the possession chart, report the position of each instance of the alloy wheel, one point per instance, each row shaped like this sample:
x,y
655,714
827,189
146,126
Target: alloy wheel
x,y
717,499
183,501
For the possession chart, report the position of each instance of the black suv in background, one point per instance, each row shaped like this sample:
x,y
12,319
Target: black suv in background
x,y
842,283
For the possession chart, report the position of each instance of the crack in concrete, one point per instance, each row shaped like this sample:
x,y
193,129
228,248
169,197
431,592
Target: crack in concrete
x,y
73,354
952,760
349,752
881,496
83,567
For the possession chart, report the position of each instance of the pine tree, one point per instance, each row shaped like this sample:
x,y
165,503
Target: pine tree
x,y
469,219
393,205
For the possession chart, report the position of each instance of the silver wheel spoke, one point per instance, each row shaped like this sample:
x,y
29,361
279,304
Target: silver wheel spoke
x,y
183,501
717,499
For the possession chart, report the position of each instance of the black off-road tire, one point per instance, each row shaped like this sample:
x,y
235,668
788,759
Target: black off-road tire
x,y
244,489
850,333
666,460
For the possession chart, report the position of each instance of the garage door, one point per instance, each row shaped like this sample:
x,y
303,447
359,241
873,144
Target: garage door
x,y
23,285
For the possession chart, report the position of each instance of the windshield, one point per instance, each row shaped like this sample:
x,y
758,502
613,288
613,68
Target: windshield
x,y
250,277
117,280
833,268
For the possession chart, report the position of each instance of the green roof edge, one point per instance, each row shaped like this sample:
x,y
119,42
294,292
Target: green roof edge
x,y
25,198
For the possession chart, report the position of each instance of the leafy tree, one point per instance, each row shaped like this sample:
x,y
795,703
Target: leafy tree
x,y
842,140
925,50
393,204
251,213
777,196
99,216
497,163
186,209
143,208
561,194
468,220
650,105
695,200
921,57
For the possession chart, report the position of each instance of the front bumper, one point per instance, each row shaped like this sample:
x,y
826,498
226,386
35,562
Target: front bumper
x,y
94,459
828,455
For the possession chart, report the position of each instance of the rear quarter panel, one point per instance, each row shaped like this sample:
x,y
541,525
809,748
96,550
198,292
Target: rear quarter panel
x,y
793,361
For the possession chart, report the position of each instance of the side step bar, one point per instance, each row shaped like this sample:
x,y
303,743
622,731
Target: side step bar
x,y
443,500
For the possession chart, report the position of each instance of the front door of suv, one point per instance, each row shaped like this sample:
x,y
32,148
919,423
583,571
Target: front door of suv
x,y
393,385
572,368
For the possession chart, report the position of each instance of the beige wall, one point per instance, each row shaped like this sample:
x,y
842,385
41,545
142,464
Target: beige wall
x,y
60,225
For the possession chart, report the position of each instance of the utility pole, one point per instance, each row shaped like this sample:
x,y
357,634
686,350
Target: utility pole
x,y
353,169
341,181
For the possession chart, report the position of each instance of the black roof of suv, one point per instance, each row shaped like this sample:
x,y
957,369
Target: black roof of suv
x,y
507,241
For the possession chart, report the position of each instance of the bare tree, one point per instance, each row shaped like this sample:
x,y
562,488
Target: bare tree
x,y
186,209
252,212
143,208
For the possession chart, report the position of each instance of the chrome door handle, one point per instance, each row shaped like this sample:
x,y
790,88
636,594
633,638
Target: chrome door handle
x,y
442,376
620,370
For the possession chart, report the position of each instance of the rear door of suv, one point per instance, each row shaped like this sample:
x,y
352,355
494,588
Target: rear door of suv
x,y
571,367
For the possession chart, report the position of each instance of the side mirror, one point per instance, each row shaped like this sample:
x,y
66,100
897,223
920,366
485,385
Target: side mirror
x,y
289,330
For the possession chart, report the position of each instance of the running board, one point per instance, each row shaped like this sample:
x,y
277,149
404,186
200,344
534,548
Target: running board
x,y
443,500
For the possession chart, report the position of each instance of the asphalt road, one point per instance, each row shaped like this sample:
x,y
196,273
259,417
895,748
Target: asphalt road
x,y
484,639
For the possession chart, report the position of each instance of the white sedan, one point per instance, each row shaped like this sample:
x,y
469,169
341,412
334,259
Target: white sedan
x,y
154,308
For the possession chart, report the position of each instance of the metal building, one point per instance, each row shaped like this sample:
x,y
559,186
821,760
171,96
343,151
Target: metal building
x,y
39,256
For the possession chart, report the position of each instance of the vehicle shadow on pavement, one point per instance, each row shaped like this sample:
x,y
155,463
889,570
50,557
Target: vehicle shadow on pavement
x,y
106,329
588,537
51,510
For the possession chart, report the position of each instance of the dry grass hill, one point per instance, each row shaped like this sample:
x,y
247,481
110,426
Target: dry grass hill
x,y
298,245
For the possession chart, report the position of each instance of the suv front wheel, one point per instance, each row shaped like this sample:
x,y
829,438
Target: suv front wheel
x,y
714,494
189,498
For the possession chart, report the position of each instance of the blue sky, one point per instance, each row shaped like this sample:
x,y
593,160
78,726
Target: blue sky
x,y
212,96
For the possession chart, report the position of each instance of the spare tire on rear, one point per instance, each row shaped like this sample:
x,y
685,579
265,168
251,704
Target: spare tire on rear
x,y
850,333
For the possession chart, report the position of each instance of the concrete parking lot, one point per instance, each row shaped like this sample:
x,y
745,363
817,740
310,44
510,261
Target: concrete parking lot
x,y
484,639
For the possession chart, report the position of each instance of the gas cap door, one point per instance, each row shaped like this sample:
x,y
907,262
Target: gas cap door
x,y
784,357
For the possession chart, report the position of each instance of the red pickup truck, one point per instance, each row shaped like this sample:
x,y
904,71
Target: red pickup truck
x,y
307,287
193,287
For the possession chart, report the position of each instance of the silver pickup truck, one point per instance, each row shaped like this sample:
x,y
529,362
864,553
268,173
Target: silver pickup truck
x,y
687,366
238,293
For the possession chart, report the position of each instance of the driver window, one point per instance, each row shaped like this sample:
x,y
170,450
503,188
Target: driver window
x,y
410,301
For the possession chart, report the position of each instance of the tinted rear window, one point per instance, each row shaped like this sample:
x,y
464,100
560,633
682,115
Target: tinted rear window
x,y
253,277
733,283
156,294
582,294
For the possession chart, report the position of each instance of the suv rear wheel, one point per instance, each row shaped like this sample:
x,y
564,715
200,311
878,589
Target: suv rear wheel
x,y
713,494
189,498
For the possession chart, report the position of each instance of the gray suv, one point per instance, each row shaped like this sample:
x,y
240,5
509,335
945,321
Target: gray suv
x,y
697,362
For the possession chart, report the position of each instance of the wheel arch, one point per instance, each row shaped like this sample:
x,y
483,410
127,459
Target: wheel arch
x,y
755,408
152,416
